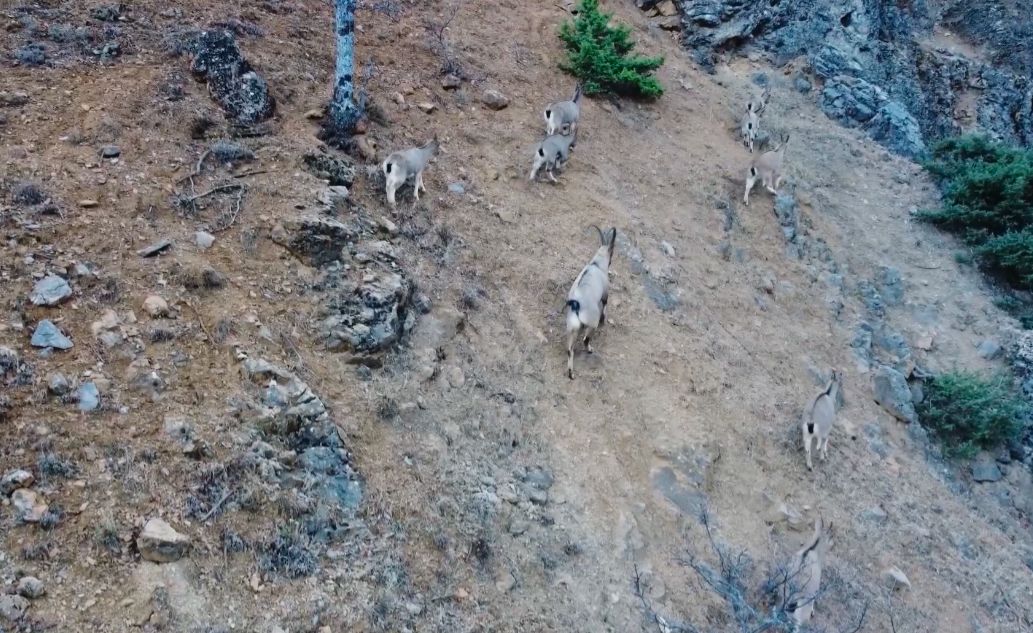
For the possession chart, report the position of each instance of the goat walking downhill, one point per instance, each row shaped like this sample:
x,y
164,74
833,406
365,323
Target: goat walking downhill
x,y
552,154
586,301
805,573
405,164
768,169
818,418
562,116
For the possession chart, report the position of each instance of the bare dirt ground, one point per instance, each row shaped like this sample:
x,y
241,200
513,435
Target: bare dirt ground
x,y
500,496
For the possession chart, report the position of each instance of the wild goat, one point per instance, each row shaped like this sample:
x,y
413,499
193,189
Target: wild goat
x,y
749,128
758,102
410,163
552,153
563,115
586,301
819,416
804,573
768,169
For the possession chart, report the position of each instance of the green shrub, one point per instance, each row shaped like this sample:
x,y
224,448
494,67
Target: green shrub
x,y
600,55
968,412
988,201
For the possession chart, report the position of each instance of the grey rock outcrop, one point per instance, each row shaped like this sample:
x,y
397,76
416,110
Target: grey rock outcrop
x,y
879,71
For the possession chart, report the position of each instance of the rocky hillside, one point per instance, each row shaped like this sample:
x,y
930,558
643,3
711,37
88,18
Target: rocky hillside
x,y
240,393
908,73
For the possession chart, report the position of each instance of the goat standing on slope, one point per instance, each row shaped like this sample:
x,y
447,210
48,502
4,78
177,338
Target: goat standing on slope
x,y
563,114
586,301
768,169
410,163
818,418
804,573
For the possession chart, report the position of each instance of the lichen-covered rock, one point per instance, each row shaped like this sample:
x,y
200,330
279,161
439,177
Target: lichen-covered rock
x,y
317,241
368,316
241,91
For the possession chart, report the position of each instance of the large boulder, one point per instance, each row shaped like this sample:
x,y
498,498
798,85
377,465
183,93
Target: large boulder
x,y
891,392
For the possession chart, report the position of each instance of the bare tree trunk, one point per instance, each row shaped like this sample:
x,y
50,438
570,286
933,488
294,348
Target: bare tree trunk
x,y
343,113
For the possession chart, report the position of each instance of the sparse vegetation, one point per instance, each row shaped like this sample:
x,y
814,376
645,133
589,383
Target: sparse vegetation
x,y
27,193
600,55
53,465
289,553
968,412
988,202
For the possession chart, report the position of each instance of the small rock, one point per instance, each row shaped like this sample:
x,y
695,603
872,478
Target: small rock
x,y
457,188
204,240
802,85
505,582
88,397
58,384
895,578
388,225
15,480
398,98
110,151
156,307
891,391
315,113
456,378
88,203
538,477
536,496
159,543
989,349
518,527
27,505
924,342
494,99
13,608
668,249
47,335
875,514
671,23
31,587
155,249
451,82
13,99
50,291
986,470
427,106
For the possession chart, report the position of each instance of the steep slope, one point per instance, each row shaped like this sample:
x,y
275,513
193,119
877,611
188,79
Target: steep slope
x,y
498,495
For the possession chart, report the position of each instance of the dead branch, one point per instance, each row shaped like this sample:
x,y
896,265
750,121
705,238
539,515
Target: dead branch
x,y
197,168
200,322
229,187
233,218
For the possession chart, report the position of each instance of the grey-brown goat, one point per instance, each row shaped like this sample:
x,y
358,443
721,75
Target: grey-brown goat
x,y
768,169
804,574
586,301
405,164
818,418
552,154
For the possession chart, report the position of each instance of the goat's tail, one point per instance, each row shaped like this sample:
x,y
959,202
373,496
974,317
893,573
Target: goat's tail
x,y
573,315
